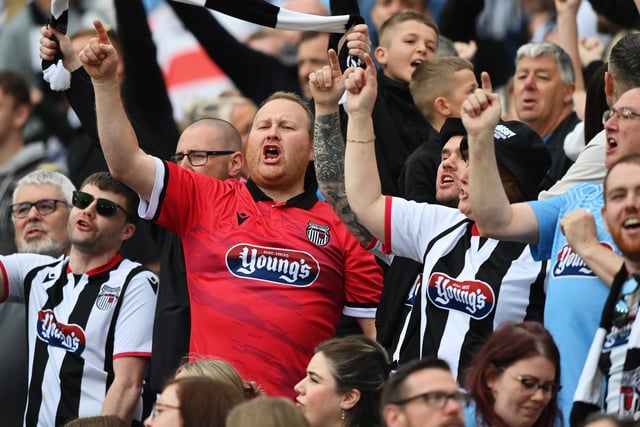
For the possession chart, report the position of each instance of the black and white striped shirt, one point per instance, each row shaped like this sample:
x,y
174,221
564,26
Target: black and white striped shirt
x,y
470,284
77,325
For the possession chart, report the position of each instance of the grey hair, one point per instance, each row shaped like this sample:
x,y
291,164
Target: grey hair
x,y
534,50
446,47
45,176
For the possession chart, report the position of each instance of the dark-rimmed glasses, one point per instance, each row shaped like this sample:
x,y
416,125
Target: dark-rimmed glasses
x,y
621,309
104,207
436,399
623,114
531,385
198,157
158,408
43,206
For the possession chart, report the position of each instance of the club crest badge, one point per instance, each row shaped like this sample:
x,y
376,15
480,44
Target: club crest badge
x,y
107,298
318,234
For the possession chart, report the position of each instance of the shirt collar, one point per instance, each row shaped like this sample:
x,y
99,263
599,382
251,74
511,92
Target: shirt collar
x,y
304,200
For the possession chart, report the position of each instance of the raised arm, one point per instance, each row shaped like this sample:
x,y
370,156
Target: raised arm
x,y
127,162
495,216
362,180
144,84
327,87
567,12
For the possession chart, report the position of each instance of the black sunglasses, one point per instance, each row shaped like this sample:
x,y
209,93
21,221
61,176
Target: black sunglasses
x,y
104,207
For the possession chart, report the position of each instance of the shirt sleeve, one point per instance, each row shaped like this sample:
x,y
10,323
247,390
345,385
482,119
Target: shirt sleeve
x,y
179,196
134,329
410,226
14,269
548,215
362,280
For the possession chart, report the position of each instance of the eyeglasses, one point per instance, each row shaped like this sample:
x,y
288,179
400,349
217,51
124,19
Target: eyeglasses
x,y
436,399
623,114
199,158
159,408
43,206
104,207
531,385
621,309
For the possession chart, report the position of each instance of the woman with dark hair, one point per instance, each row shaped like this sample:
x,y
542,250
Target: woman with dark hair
x,y
514,378
194,402
343,383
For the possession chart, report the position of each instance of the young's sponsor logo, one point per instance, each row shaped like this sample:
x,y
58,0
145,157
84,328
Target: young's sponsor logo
x,y
569,263
276,265
472,297
57,334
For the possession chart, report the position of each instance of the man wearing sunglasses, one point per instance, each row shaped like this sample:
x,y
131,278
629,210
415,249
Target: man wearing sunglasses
x,y
270,267
89,314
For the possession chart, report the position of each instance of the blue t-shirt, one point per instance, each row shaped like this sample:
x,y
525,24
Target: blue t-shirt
x,y
575,295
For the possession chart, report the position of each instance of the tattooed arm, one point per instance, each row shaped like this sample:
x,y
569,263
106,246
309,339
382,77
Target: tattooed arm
x,y
327,87
329,164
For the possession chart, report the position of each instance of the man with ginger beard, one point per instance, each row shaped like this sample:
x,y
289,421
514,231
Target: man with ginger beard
x,y
615,341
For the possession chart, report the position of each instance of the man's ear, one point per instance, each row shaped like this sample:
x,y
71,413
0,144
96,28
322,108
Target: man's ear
x,y
20,116
604,218
235,164
570,88
608,88
393,415
128,231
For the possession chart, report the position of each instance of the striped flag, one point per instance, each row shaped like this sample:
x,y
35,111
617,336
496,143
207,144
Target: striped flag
x,y
54,73
266,14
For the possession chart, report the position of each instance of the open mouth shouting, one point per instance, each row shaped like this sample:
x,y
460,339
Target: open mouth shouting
x,y
271,153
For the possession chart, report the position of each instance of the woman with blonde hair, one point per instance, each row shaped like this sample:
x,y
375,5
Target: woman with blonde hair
x,y
220,370
99,421
267,412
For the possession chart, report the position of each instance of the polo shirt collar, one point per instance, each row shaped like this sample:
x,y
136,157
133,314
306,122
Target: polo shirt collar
x,y
304,200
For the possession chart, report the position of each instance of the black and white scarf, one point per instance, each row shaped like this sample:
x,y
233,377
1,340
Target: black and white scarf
x,y
589,397
257,11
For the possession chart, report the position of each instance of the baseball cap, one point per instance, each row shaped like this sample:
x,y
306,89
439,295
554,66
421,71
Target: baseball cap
x,y
521,151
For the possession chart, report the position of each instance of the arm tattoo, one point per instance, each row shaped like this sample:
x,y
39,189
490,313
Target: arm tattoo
x,y
328,150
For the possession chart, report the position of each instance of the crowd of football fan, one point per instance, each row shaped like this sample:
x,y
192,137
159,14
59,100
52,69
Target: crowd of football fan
x,y
447,233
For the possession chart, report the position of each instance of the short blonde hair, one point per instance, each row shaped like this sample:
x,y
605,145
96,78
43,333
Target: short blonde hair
x,y
432,79
388,27
220,370
267,412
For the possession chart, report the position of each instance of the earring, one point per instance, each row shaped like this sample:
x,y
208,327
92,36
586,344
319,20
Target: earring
x,y
343,416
